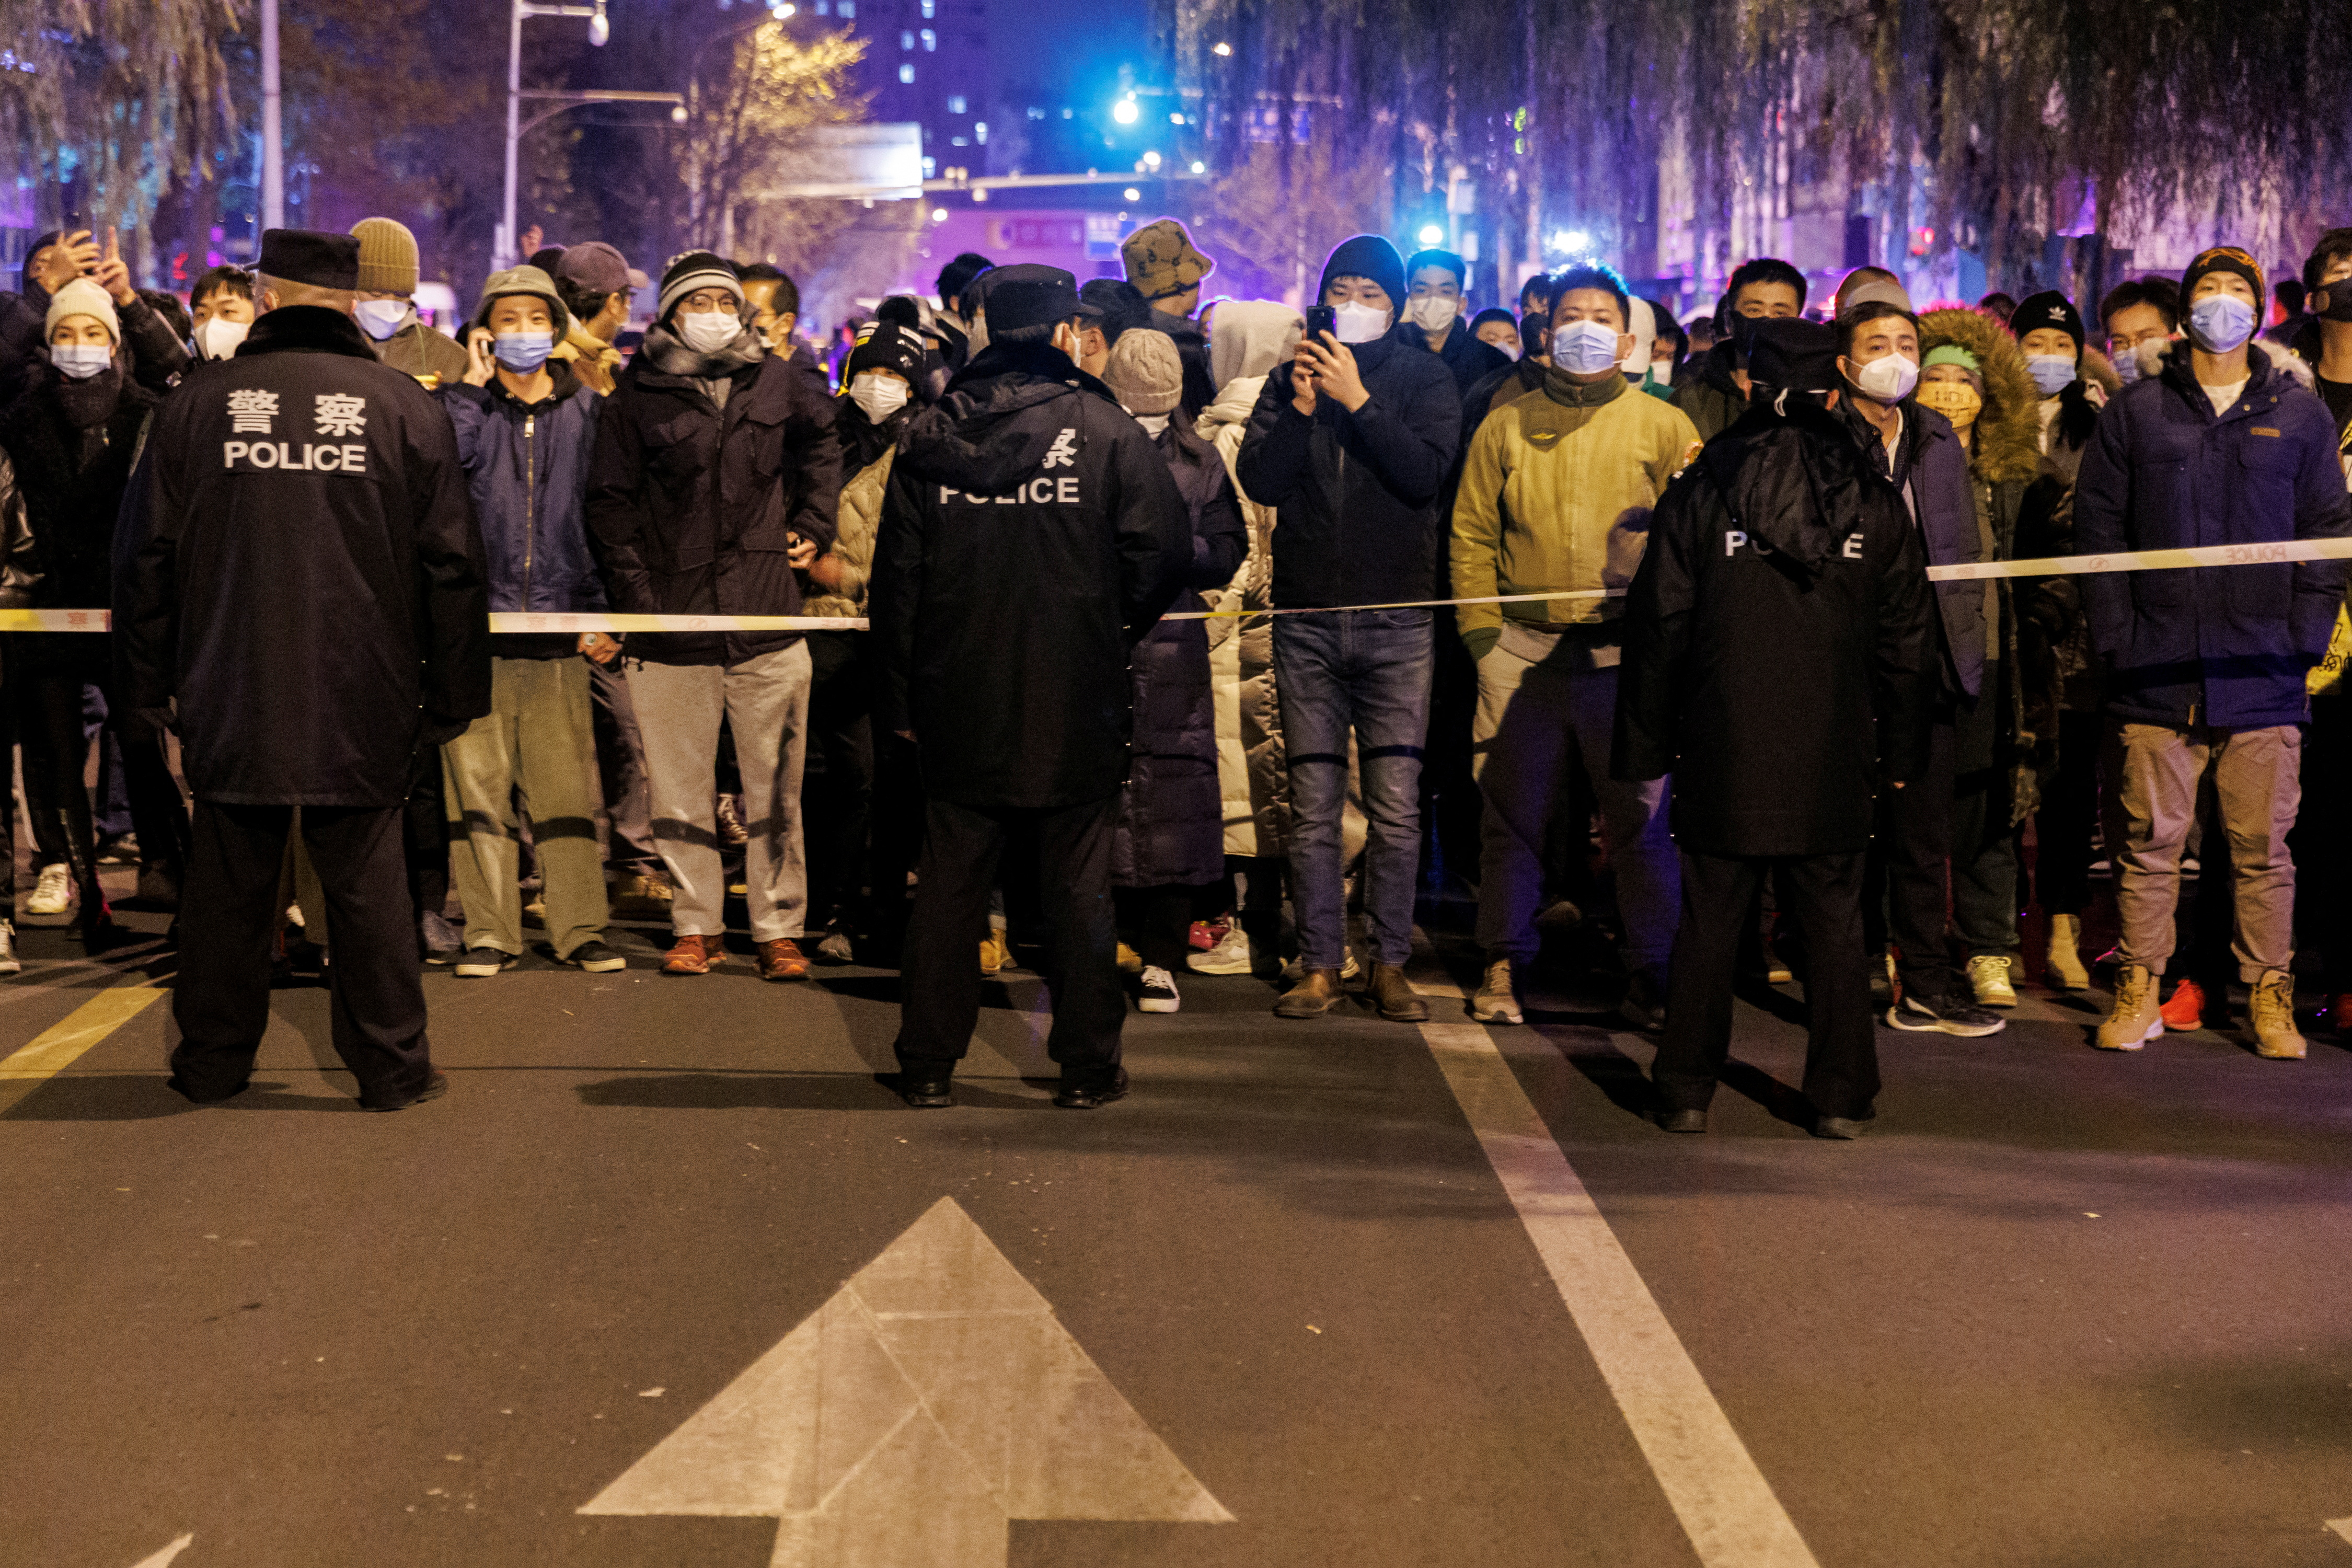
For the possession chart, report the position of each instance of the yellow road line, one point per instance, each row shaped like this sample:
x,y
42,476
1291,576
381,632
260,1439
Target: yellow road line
x,y
61,1044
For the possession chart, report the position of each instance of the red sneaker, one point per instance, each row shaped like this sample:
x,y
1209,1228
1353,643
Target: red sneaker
x,y
2185,1009
1205,935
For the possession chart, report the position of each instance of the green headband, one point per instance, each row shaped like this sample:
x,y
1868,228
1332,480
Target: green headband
x,y
1952,354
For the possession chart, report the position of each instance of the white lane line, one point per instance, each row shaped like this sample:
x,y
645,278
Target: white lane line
x,y
163,1559
1725,1504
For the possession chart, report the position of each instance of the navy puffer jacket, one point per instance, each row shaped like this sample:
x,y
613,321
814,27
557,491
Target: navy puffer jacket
x,y
2225,646
527,466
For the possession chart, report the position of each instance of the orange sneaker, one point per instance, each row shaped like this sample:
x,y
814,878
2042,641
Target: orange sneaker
x,y
692,955
2185,1009
782,960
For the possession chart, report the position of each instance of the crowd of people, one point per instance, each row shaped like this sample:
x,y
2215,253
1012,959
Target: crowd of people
x,y
1179,632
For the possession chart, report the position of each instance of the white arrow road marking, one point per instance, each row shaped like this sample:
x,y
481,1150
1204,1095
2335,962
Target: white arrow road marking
x,y
2342,1527
163,1559
1725,1504
934,1398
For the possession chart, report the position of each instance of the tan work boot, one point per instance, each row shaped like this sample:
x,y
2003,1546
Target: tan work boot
x,y
2064,957
1498,1001
1398,1002
1988,978
2276,1036
1317,992
2135,1018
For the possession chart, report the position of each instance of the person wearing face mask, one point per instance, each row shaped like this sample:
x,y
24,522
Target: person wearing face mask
x,y
1669,347
2140,317
386,309
300,599
71,440
775,305
1031,537
882,388
1355,447
1498,330
525,429
1436,280
1972,373
1778,656
1555,494
1915,452
1169,844
221,306
716,473
1765,289
1166,268
2208,670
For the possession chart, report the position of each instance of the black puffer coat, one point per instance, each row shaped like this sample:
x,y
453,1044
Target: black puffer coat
x,y
72,475
1171,819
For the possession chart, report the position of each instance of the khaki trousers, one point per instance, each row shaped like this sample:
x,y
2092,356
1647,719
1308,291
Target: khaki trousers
x,y
537,741
2257,781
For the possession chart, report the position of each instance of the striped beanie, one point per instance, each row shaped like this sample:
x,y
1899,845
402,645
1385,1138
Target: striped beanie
x,y
695,269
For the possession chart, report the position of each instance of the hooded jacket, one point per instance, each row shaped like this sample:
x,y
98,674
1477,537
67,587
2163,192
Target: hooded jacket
x,y
1778,640
527,469
1358,493
300,569
2228,646
1708,394
1031,535
691,507
1250,766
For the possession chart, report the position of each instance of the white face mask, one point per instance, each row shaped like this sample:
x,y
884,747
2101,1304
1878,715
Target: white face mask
x,y
1432,312
1153,424
878,395
1888,379
707,332
1359,323
1661,372
79,362
1584,348
379,319
217,339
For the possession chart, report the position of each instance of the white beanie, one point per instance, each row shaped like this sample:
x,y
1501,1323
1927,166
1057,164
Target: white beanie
x,y
82,298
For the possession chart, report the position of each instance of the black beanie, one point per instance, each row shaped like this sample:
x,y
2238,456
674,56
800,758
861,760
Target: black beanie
x,y
887,345
2047,308
1790,354
1366,256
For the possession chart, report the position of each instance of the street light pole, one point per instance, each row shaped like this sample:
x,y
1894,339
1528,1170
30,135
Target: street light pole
x,y
273,140
502,246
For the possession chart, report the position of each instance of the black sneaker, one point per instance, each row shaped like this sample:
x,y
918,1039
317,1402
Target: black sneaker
x,y
480,962
594,957
1157,991
1946,1017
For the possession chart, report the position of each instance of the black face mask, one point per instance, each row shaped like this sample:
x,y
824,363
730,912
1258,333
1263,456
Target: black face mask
x,y
2339,300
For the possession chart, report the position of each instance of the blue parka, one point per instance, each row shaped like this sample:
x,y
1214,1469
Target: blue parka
x,y
528,468
2225,646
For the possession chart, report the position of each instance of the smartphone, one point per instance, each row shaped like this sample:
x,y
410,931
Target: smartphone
x,y
1322,319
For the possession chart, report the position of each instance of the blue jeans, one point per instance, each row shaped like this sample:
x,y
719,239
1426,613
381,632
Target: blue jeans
x,y
1368,671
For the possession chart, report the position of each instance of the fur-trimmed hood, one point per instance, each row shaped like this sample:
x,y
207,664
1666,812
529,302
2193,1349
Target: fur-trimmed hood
x,y
2006,442
2156,354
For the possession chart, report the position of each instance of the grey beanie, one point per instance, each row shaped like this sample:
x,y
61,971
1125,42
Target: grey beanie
x,y
1145,372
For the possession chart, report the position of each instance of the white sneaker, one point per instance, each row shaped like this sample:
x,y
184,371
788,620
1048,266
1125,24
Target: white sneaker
x,y
9,963
1988,977
54,895
1498,1001
1231,955
1158,992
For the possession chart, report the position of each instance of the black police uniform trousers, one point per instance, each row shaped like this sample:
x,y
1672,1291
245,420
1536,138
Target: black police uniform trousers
x,y
221,1000
939,970
1822,894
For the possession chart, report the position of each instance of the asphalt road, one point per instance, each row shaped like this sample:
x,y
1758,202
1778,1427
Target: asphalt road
x,y
2061,1309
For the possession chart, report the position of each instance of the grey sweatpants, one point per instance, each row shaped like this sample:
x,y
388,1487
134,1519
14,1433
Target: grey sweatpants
x,y
765,702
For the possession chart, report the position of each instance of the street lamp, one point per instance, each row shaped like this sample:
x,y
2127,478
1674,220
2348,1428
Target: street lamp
x,y
599,29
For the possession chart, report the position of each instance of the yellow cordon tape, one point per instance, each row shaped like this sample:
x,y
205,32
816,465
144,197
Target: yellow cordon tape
x,y
2287,552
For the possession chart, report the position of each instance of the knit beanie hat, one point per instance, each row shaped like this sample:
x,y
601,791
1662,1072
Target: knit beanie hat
x,y
2048,309
523,280
82,298
388,261
887,345
695,269
2224,259
1366,256
1162,261
1145,372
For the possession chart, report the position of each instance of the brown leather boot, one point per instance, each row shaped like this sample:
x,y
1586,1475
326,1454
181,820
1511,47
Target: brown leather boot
x,y
1312,998
692,955
1397,1001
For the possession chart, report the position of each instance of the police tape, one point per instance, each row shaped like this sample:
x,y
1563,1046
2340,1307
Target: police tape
x,y
2286,552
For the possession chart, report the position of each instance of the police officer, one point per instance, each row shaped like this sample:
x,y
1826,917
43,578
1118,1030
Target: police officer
x,y
302,597
1030,537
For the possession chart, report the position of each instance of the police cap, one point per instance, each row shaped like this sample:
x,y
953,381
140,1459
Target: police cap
x,y
305,255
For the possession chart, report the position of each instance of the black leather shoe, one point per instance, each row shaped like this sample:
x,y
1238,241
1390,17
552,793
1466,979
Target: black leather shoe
x,y
435,1088
929,1087
1682,1121
1091,1093
1843,1127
